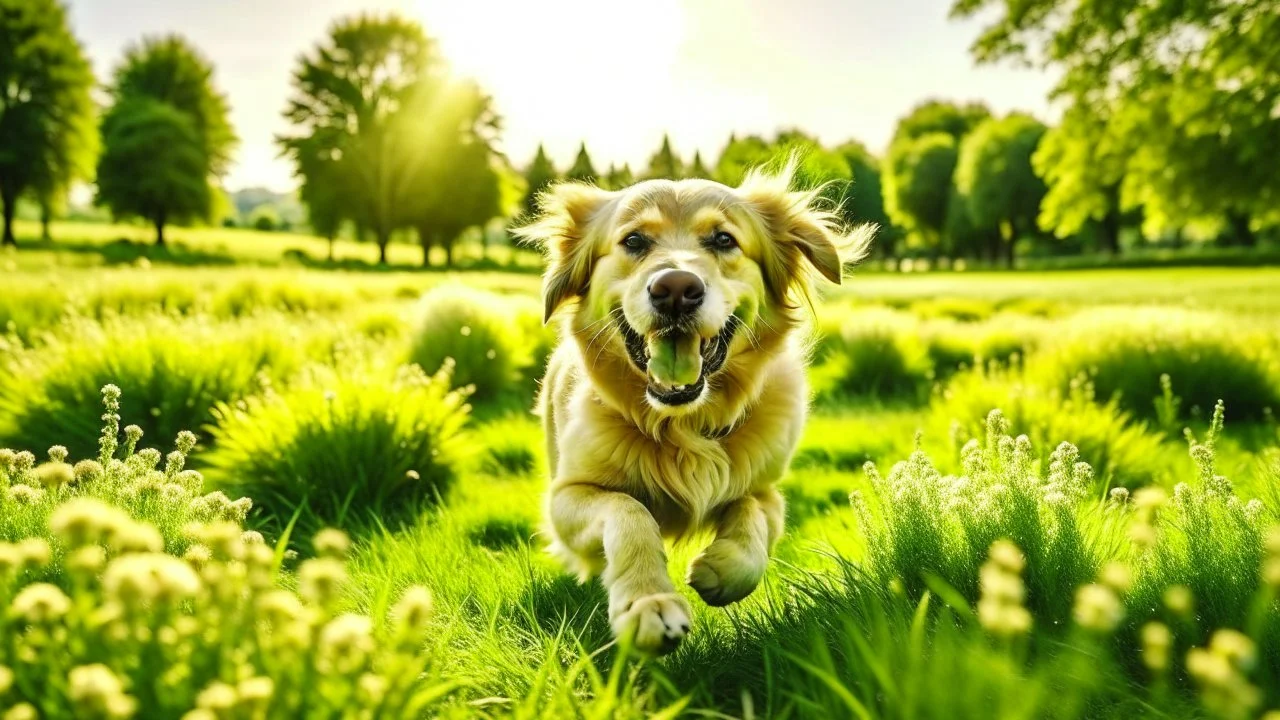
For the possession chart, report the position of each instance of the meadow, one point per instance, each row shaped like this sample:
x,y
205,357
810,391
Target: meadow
x,y
1021,495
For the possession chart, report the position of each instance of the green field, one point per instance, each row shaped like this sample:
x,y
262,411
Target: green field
x,y
292,379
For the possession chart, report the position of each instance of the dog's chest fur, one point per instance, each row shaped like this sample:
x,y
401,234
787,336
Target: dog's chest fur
x,y
682,469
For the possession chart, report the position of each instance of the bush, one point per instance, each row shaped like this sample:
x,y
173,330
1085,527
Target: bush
x,y
1122,450
922,524
343,447
109,613
476,329
173,371
1208,356
510,447
876,354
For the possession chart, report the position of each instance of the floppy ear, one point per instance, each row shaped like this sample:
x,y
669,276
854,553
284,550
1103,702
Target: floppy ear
x,y
800,229
563,229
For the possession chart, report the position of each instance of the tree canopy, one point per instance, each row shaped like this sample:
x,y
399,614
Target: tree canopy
x,y
917,182
48,136
665,163
581,170
540,173
995,178
166,137
377,98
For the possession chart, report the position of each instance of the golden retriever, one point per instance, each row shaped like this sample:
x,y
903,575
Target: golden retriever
x,y
675,399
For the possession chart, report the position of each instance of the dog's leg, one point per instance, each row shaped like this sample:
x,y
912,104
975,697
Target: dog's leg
x,y
593,523
731,566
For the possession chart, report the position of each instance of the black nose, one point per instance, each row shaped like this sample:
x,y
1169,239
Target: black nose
x,y
676,292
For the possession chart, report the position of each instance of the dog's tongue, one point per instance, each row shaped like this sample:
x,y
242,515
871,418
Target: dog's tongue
x,y
674,359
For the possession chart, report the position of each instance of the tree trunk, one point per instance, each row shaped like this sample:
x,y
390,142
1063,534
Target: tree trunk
x,y
448,254
383,238
425,239
1008,241
1109,233
9,209
45,218
1241,233
159,223
331,240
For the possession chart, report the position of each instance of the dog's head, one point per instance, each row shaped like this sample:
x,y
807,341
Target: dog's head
x,y
676,279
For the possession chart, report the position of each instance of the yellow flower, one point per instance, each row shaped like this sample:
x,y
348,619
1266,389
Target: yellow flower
x,y
25,494
320,579
218,697
332,543
1150,498
345,643
1097,608
136,537
412,613
96,692
21,711
143,577
1116,575
1007,556
6,679
1235,646
84,521
34,551
40,603
54,475
1156,641
1179,600
255,692
86,561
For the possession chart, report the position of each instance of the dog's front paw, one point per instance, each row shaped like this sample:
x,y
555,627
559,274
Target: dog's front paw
x,y
725,573
656,623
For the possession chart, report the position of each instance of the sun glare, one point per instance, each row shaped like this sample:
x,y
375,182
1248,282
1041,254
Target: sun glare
x,y
569,69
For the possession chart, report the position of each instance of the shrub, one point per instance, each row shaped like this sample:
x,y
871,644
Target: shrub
x,y
109,615
1208,356
476,330
510,447
921,523
874,354
343,447
173,371
1122,450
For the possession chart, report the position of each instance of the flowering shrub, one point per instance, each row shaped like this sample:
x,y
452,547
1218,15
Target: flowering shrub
x,y
474,329
343,447
128,594
921,524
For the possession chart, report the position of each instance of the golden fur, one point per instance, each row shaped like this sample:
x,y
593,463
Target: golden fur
x,y
629,470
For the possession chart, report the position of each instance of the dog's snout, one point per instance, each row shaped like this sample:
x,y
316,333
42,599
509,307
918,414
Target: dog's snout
x,y
676,292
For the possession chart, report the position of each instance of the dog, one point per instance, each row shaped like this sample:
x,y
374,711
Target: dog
x,y
677,393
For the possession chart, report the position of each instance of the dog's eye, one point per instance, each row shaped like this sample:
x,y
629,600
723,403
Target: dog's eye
x,y
723,241
635,243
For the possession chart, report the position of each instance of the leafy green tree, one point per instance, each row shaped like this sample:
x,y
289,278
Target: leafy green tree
x,y
739,156
917,183
995,177
470,198
170,70
153,165
619,177
359,95
665,163
698,169
540,173
48,134
935,116
1083,165
865,203
582,170
1187,91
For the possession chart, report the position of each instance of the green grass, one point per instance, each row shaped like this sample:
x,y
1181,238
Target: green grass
x,y
899,605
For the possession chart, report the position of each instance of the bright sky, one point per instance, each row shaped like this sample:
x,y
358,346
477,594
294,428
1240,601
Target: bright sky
x,y
616,75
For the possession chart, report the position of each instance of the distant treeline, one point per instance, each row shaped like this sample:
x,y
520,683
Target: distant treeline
x,y
1169,136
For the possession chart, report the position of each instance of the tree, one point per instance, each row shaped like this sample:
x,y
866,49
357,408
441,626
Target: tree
x,y
1083,167
322,190
357,96
697,169
471,198
540,173
582,169
170,70
935,116
866,196
167,122
995,177
741,155
917,183
665,163
48,136
619,177
153,164
1187,91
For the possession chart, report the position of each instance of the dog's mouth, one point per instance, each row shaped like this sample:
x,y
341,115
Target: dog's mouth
x,y
676,360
